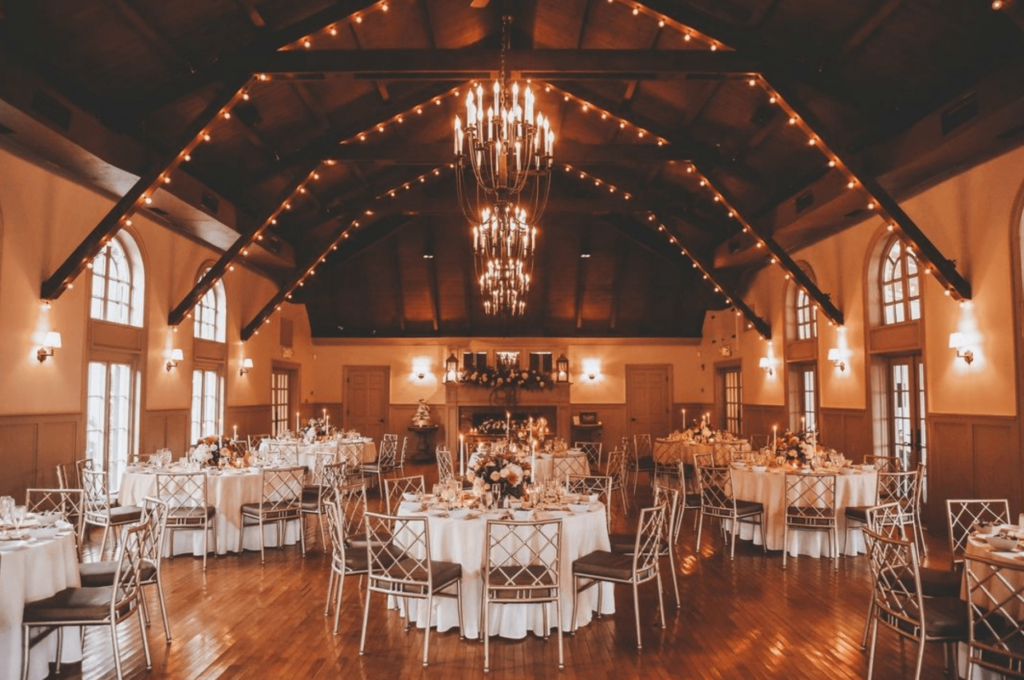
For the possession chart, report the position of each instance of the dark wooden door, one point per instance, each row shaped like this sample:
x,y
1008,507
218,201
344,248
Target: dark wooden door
x,y
648,400
366,400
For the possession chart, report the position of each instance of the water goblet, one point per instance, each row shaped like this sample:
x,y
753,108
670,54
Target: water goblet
x,y
18,516
6,506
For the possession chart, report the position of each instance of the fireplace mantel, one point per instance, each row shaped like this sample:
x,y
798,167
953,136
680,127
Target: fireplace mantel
x,y
466,400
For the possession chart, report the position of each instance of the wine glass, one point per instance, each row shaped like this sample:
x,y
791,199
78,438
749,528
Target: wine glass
x,y
18,516
6,506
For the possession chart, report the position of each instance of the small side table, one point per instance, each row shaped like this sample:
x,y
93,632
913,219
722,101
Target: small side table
x,y
424,451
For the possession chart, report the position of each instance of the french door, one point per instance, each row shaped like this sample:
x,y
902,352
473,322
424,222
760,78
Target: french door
x,y
282,384
111,417
207,403
730,393
906,392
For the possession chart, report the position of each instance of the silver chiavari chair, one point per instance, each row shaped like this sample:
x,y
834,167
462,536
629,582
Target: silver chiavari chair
x,y
281,502
188,505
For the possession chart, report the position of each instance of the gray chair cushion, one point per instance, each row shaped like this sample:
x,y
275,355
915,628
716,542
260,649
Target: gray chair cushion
x,y
99,574
746,508
71,604
125,514
604,564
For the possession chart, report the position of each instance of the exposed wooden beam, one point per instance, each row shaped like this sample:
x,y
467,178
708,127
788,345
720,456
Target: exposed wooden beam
x,y
427,22
573,153
621,261
870,25
584,20
152,38
382,89
347,248
54,286
251,13
224,262
469,64
311,105
943,269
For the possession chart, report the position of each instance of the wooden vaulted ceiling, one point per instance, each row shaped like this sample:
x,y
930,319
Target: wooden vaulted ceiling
x,y
651,103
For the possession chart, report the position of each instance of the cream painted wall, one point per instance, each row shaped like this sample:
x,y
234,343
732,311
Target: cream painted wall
x,y
971,218
44,216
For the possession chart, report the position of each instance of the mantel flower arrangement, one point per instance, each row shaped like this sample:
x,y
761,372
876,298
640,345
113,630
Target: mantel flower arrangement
x,y
513,377
507,469
797,446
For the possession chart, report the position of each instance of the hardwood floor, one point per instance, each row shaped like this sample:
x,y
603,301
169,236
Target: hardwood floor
x,y
742,619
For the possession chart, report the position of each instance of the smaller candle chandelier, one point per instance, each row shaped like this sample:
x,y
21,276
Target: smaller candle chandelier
x,y
504,246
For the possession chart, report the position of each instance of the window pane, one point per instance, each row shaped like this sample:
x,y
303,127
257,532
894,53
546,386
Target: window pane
x,y
96,414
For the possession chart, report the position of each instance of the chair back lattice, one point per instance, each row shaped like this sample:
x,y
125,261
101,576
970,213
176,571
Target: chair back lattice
x,y
388,452
400,458
567,466
351,454
334,475
649,537
285,451
667,496
715,487
902,488
885,463
395,488
398,554
522,560
130,567
617,467
185,494
592,484
61,471
97,500
282,492
155,513
888,519
351,501
82,464
995,611
897,583
642,446
445,467
963,513
810,500
592,450
69,503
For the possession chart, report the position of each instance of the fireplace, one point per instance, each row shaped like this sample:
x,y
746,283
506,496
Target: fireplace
x,y
491,421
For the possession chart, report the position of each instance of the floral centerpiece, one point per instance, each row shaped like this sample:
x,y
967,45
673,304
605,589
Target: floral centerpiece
x,y
512,377
209,450
317,428
507,469
798,447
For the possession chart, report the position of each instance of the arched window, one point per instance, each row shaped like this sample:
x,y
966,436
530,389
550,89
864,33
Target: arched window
x,y
806,317
901,288
211,315
117,283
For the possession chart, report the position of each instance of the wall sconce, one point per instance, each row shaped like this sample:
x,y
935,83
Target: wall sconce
x,y
246,366
451,369
51,341
958,342
765,364
836,358
592,369
176,356
562,369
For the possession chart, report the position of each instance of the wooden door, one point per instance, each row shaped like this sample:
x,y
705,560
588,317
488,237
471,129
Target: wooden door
x,y
907,428
648,400
366,400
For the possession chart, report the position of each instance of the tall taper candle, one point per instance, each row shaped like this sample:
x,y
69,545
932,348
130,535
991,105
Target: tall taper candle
x,y
462,456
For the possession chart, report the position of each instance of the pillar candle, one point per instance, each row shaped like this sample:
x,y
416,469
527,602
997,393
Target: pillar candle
x,y
775,432
462,456
234,434
296,422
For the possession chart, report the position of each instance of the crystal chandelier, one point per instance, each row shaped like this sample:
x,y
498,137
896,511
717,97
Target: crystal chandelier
x,y
504,245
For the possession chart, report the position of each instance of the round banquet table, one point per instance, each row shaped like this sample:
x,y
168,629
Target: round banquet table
x,y
671,451
769,488
549,466
32,570
307,452
462,541
226,491
978,548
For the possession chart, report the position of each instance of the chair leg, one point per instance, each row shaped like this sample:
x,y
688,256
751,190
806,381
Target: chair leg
x,y
103,543
163,607
458,602
263,556
835,547
785,543
661,600
700,528
920,660
337,604
732,548
675,582
871,652
483,633
636,612
117,650
575,603
426,630
867,624
558,622
366,619
145,641
24,652
330,592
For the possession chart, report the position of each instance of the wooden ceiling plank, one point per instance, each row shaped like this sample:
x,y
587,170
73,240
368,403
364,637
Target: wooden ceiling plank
x,y
156,41
465,64
170,91
584,20
54,286
251,13
347,248
428,25
435,296
619,275
869,25
382,89
399,293
432,153
311,105
581,275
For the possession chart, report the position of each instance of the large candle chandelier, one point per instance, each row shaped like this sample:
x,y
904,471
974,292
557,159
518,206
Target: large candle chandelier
x,y
505,153
503,253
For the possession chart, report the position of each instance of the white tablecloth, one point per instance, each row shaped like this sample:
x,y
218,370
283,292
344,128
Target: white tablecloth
x,y
671,451
557,467
463,540
227,492
976,548
307,452
28,572
769,488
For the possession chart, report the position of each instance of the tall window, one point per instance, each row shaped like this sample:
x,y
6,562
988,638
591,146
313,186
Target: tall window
x,y
110,427
803,397
211,315
806,317
280,400
207,403
117,283
901,290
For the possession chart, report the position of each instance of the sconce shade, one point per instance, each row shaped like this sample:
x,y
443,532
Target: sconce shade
x,y
956,340
52,340
177,355
247,363
764,363
833,355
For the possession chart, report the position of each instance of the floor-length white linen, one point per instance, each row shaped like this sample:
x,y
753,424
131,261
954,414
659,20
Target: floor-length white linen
x,y
32,571
307,452
769,488
227,492
556,467
462,541
671,451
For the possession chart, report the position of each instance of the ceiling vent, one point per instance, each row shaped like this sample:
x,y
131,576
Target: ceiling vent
x,y
804,201
51,109
210,202
960,113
